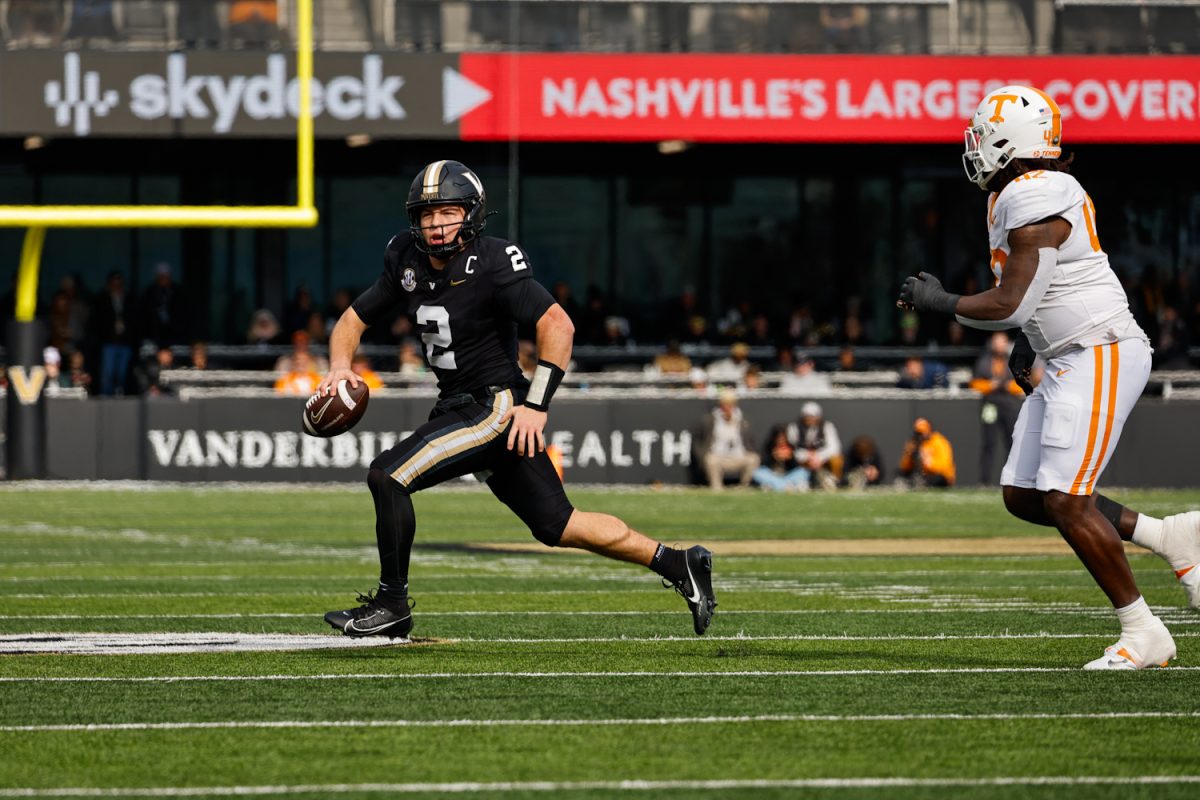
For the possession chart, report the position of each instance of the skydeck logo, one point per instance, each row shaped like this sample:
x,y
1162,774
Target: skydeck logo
x,y
270,95
78,96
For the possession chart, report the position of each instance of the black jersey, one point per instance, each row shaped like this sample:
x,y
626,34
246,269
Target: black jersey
x,y
466,313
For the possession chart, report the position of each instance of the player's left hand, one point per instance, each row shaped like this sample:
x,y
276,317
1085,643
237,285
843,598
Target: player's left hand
x,y
525,433
924,292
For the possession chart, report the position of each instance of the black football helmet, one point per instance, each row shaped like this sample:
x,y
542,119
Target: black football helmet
x,y
447,183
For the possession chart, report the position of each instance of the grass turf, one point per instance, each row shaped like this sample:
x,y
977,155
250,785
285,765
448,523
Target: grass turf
x,y
814,668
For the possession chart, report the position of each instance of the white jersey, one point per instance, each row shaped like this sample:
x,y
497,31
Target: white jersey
x,y
1084,304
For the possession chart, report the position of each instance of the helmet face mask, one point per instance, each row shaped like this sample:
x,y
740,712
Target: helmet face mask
x,y
447,183
1011,122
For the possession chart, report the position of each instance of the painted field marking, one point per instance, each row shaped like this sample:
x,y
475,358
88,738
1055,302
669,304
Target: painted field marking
x,y
624,785
1041,608
358,676
147,643
552,723
217,642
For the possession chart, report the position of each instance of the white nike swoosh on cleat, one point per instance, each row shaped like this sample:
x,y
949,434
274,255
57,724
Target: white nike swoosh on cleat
x,y
695,598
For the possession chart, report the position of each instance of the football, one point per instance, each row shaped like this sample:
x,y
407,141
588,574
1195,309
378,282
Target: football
x,y
329,415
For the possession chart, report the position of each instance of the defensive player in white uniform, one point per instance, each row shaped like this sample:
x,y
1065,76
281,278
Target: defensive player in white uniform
x,y
1054,282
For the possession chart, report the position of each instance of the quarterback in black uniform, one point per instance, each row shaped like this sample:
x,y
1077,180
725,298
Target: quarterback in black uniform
x,y
467,293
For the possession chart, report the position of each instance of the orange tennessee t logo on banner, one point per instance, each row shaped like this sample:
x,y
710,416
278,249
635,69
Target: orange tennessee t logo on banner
x,y
1000,100
28,386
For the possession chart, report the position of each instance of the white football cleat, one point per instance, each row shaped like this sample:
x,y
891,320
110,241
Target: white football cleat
x,y
1154,648
1181,539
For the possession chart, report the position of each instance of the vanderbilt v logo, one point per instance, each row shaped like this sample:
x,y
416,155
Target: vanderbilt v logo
x,y
27,385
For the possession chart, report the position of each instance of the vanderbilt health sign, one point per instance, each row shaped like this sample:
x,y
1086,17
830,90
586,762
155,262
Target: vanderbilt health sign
x,y
587,97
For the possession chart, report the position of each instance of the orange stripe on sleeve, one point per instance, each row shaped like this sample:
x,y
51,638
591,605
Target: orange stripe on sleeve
x,y
1114,364
1097,394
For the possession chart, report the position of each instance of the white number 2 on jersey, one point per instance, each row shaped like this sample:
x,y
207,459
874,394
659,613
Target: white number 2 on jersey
x,y
517,257
437,339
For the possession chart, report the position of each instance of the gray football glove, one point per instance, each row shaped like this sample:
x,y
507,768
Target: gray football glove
x,y
925,293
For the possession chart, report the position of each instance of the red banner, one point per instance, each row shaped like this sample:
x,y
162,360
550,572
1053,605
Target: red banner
x,y
819,98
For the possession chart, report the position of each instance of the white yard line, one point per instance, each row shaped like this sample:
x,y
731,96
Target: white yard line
x,y
217,641
584,723
624,785
561,674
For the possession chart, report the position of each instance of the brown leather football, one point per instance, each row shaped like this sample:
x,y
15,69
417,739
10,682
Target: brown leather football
x,y
331,414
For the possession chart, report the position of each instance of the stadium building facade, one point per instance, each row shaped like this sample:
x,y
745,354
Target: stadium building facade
x,y
775,154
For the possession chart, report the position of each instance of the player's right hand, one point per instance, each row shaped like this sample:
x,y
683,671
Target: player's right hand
x,y
1020,363
328,384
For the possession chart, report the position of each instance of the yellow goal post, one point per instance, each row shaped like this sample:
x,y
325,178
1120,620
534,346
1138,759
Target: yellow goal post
x,y
302,215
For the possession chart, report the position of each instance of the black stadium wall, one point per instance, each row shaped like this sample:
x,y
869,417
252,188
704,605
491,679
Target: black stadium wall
x,y
631,441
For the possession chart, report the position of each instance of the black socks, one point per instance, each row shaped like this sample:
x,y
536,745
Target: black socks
x,y
395,528
670,563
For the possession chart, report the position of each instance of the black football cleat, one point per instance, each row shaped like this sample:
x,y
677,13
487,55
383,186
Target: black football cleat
x,y
377,616
697,587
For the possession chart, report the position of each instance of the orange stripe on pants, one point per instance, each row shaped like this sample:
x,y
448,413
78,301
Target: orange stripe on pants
x,y
1113,365
1097,395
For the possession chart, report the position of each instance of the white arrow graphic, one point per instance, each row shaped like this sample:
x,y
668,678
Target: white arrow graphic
x,y
460,95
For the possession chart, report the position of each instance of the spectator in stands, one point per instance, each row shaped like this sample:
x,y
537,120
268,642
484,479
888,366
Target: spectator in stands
x,y
845,28
724,444
114,319
162,314
847,359
58,322
34,22
301,359
864,464
298,311
672,361
264,328
410,361
910,328
698,378
300,383
734,324
79,311
1171,343
852,331
199,355
562,296
616,332
779,471
918,373
928,458
818,446
149,373
92,19
590,327
804,380
679,313
254,23
419,26
759,333
697,331
80,378
1001,402
752,381
52,363
198,23
337,306
801,327
360,365
731,370
317,328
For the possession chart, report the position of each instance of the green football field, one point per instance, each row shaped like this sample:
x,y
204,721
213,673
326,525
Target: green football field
x,y
169,643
